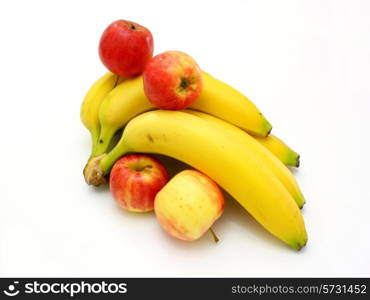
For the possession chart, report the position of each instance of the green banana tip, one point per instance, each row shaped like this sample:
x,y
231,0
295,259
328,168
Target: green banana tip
x,y
299,245
268,132
266,127
293,159
298,161
269,128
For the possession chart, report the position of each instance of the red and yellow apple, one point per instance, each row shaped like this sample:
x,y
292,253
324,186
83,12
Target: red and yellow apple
x,y
126,47
188,205
135,180
172,80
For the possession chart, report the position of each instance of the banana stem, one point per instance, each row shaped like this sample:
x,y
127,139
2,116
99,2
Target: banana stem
x,y
94,141
215,238
103,141
108,160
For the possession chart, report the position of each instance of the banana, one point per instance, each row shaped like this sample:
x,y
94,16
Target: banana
x,y
122,104
217,98
281,150
233,166
90,106
225,102
276,166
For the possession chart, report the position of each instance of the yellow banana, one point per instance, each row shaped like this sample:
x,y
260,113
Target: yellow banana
x,y
277,147
122,104
90,106
226,103
217,98
276,166
233,166
281,150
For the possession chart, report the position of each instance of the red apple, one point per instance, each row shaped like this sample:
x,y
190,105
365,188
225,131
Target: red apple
x,y
135,180
172,80
126,47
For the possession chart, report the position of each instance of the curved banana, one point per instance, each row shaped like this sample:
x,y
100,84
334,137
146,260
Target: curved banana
x,y
122,104
89,112
217,98
225,102
281,150
276,166
233,166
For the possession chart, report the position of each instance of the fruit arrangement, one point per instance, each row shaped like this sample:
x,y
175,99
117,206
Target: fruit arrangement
x,y
168,105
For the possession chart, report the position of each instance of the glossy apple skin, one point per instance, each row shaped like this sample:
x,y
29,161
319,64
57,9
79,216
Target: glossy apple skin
x,y
134,181
172,80
188,205
126,47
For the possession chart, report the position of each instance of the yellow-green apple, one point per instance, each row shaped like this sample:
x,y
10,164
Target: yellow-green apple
x,y
135,180
125,48
188,205
172,80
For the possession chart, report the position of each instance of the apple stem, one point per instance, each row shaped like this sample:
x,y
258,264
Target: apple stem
x,y
213,235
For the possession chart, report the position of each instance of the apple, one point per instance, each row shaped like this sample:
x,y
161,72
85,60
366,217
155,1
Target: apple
x,y
134,181
172,80
126,47
188,205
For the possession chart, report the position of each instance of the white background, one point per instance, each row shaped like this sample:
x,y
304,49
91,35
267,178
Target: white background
x,y
304,63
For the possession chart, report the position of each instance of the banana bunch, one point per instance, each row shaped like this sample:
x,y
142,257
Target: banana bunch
x,y
222,134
